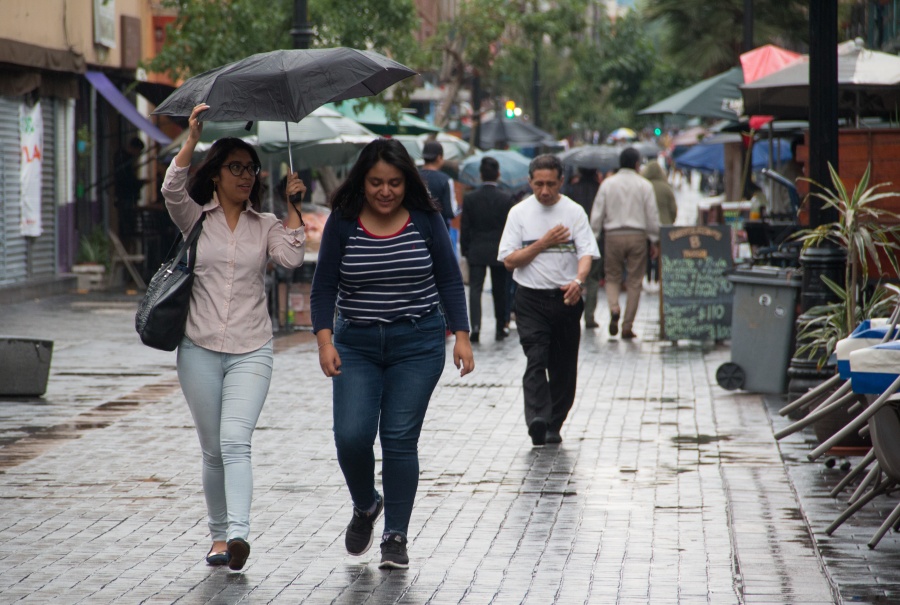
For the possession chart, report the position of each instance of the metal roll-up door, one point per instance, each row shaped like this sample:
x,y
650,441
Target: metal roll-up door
x,y
42,252
23,258
12,244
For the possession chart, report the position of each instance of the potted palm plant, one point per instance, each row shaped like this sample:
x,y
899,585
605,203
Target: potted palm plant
x,y
92,259
868,234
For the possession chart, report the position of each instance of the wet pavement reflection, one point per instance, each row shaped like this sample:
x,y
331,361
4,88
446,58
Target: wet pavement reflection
x,y
666,489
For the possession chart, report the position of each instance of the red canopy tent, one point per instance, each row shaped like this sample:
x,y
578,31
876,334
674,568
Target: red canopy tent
x,y
759,63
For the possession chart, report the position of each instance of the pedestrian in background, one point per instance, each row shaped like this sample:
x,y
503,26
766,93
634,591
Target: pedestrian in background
x,y
583,191
484,214
439,183
548,245
625,210
387,269
667,209
225,360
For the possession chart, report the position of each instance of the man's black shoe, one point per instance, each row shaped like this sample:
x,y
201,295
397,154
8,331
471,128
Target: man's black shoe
x,y
613,324
537,430
358,538
554,437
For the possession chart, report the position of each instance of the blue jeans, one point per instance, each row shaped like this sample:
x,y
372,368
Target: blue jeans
x,y
388,372
225,393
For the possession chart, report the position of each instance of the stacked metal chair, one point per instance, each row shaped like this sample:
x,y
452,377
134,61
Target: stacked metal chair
x,y
868,364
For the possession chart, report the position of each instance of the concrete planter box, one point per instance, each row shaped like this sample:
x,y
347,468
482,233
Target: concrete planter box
x,y
24,366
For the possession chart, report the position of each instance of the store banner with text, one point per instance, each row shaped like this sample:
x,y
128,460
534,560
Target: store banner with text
x,y
31,137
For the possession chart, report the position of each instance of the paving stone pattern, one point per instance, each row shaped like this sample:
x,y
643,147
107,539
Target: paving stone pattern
x,y
666,489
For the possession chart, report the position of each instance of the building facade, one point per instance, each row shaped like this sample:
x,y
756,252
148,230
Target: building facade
x,y
67,106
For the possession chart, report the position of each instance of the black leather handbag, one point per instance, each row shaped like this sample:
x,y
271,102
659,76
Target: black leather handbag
x,y
163,311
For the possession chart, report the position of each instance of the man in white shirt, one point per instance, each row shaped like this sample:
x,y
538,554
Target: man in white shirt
x,y
625,210
548,245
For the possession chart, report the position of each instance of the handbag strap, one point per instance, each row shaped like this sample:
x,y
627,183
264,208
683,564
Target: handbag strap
x,y
189,243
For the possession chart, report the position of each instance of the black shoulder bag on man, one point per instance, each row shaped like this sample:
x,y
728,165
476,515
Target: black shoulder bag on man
x,y
163,311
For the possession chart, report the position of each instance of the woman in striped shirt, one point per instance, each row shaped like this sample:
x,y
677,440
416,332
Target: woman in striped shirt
x,y
386,288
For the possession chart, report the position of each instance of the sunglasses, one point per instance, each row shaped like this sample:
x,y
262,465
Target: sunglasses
x,y
237,169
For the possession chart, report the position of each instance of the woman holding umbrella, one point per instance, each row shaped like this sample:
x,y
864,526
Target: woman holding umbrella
x,y
225,360
387,267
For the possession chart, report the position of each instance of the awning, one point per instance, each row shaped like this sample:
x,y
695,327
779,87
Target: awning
x,y
112,94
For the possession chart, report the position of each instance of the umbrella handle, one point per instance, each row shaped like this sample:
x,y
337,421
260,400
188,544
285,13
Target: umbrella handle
x,y
287,134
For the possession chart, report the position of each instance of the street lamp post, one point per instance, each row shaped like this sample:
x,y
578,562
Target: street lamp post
x,y
826,259
301,32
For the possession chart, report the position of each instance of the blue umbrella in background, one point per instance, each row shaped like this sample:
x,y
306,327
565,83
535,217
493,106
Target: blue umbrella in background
x,y
513,169
710,157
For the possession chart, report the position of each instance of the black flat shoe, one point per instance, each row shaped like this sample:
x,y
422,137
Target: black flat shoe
x,y
238,551
216,558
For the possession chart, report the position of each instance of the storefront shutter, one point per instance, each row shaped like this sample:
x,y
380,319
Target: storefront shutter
x,y
23,258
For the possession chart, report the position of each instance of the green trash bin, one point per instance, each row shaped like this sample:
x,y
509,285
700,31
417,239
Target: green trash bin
x,y
762,329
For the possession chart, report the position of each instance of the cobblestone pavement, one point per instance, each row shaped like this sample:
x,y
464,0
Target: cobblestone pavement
x,y
666,489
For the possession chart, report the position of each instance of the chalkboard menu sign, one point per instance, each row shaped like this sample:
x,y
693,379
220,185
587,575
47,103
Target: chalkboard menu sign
x,y
696,296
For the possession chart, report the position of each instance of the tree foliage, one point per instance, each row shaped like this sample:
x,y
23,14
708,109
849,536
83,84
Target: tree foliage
x,y
210,33
705,38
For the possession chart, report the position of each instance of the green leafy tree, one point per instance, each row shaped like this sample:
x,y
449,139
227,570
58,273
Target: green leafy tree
x,y
210,33
705,38
467,46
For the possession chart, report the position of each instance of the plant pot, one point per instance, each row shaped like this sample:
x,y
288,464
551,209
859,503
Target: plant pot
x,y
826,427
90,276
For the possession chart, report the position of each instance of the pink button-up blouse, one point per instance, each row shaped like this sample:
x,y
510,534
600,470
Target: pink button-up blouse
x,y
228,310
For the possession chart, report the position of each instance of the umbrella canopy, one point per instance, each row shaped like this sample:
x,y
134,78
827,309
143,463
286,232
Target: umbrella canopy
x,y
868,85
374,117
764,60
647,149
599,157
513,169
717,97
322,124
622,134
710,157
499,132
454,147
284,85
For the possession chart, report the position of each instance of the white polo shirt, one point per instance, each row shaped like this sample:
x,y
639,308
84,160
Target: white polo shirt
x,y
556,266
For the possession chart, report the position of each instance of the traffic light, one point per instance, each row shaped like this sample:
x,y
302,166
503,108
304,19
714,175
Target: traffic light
x,y
510,109
657,131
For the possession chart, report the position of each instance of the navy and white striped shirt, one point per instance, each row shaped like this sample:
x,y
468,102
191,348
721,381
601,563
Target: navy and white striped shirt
x,y
386,278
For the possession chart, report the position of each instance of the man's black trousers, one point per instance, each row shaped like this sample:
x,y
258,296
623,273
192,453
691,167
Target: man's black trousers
x,y
550,333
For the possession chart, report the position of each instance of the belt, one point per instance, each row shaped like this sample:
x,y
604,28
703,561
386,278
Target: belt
x,y
548,293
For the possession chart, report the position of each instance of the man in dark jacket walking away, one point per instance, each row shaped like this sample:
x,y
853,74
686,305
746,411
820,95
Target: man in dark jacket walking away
x,y
439,184
483,217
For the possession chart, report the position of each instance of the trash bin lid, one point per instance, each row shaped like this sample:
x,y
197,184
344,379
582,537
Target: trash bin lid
x,y
766,276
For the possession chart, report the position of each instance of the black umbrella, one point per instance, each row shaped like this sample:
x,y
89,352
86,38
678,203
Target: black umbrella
x,y
284,85
647,149
599,157
500,132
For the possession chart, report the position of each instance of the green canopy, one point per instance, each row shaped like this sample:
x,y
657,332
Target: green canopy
x,y
717,97
375,118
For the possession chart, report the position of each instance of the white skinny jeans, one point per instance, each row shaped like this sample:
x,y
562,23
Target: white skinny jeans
x,y
225,393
